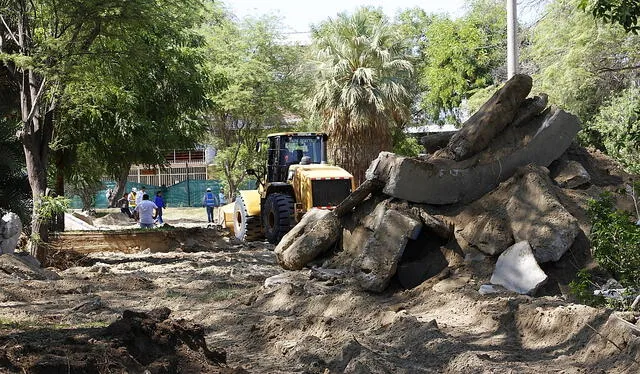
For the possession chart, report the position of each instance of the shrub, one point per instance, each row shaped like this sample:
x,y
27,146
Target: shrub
x,y
615,240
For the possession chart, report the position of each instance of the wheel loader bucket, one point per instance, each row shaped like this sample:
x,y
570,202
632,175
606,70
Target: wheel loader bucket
x,y
225,216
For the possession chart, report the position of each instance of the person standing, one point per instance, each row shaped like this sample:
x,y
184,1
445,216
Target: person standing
x,y
123,204
210,201
132,200
109,196
159,201
145,212
140,193
221,199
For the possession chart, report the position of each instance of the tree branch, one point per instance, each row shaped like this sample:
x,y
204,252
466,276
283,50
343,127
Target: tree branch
x,y
11,34
602,70
35,100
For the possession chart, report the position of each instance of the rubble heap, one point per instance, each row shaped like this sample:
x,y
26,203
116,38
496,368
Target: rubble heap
x,y
510,183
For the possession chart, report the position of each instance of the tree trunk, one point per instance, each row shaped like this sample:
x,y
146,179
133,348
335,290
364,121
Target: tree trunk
x,y
36,171
355,150
59,187
121,185
36,134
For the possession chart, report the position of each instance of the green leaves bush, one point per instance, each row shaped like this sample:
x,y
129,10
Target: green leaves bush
x,y
615,240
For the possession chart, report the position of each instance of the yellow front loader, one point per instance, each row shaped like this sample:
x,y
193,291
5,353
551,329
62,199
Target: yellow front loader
x,y
298,178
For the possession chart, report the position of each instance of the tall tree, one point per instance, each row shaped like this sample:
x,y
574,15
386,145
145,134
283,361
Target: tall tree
x,y
260,85
462,56
618,126
42,43
361,86
129,105
582,64
413,25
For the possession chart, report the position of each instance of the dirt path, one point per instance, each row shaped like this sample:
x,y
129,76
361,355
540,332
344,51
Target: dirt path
x,y
271,321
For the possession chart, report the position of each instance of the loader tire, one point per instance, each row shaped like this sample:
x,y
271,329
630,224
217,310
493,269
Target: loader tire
x,y
245,227
277,216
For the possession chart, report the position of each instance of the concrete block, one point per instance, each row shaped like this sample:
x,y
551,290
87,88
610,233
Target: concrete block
x,y
378,261
489,233
316,232
537,216
10,230
570,174
441,182
517,270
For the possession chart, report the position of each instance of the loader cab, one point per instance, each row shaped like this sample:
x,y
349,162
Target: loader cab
x,y
286,149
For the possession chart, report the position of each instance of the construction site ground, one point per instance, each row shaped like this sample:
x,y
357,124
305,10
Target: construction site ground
x,y
298,322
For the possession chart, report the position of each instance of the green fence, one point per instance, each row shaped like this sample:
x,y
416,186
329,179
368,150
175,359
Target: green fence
x,y
183,194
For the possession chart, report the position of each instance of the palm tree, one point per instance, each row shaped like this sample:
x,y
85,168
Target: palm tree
x,y
361,87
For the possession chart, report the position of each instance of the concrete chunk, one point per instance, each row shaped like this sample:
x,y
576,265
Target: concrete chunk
x,y
489,233
316,232
492,117
518,271
538,217
10,230
570,174
442,182
377,262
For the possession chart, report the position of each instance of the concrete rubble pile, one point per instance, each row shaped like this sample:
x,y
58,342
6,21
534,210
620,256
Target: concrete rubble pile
x,y
488,190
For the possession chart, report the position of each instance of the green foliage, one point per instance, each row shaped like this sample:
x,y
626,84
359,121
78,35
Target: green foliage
x,y
622,12
405,144
137,95
615,241
463,55
361,86
260,83
51,206
581,64
582,289
618,126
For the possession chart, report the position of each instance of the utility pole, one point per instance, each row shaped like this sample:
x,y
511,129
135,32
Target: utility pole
x,y
512,38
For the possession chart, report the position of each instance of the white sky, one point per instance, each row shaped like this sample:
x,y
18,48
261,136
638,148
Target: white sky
x,y
298,15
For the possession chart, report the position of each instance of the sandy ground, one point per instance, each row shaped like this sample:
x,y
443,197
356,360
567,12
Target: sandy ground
x,y
272,321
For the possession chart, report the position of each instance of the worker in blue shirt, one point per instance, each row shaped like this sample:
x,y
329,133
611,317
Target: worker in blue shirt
x,y
210,201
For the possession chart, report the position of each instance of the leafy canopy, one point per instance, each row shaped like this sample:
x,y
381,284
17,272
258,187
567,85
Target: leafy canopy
x,y
361,86
622,12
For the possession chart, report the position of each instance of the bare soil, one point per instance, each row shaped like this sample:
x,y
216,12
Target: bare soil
x,y
127,301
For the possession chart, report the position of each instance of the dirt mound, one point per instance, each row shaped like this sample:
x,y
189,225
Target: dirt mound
x,y
137,343
193,239
112,219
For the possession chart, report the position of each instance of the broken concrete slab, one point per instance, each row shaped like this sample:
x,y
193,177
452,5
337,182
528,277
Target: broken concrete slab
x,y
492,117
352,240
537,216
488,289
518,271
441,182
435,141
316,232
437,225
22,267
10,230
378,259
358,228
490,233
570,174
531,107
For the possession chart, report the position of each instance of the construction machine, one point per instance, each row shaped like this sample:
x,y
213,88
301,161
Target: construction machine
x,y
297,178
